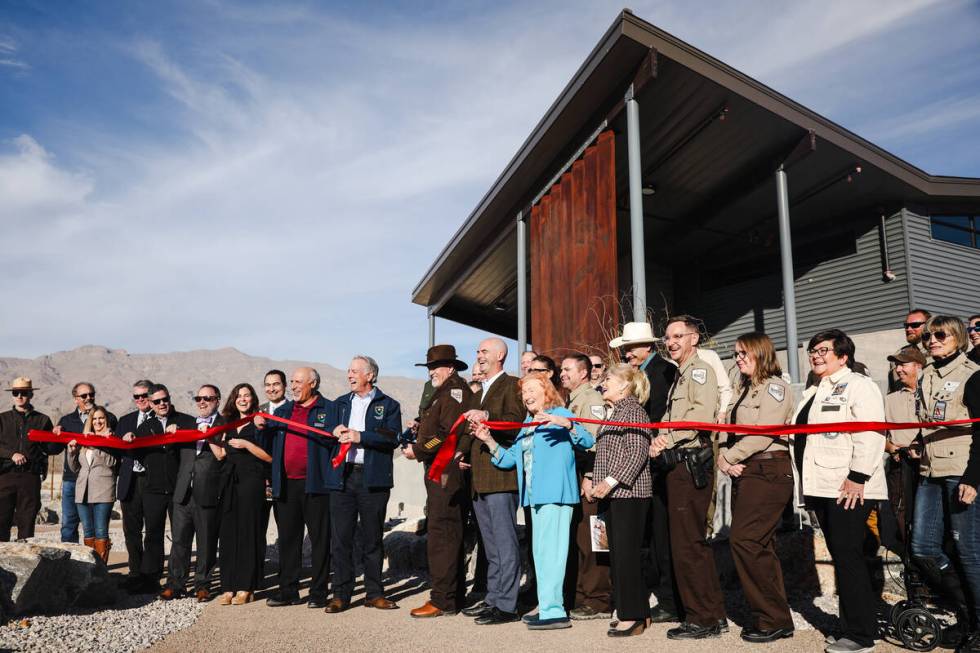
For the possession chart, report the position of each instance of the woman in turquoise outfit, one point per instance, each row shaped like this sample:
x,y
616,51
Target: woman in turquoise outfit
x,y
546,483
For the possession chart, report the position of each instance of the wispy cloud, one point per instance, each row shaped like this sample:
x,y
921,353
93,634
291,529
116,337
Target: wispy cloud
x,y
8,55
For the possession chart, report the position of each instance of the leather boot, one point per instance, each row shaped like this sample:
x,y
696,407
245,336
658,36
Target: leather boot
x,y
102,549
90,542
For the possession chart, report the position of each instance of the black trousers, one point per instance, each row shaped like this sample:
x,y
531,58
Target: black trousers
x,y
357,501
844,531
132,523
192,522
294,510
156,508
625,522
665,585
243,515
20,499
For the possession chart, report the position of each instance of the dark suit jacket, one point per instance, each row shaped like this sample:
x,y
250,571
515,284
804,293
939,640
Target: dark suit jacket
x,y
660,373
161,463
72,423
502,402
127,424
382,426
199,474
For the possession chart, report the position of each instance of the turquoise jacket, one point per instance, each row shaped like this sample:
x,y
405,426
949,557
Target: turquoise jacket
x,y
553,478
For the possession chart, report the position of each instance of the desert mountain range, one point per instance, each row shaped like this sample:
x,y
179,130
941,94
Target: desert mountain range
x,y
113,372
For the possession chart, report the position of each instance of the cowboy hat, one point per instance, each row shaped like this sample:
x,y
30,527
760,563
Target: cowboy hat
x,y
634,333
442,356
21,383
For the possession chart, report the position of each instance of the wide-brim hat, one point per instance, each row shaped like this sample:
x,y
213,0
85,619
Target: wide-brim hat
x,y
21,383
442,356
634,333
908,355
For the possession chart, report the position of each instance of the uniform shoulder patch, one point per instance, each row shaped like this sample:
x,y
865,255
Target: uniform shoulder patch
x,y
457,394
776,391
598,412
700,376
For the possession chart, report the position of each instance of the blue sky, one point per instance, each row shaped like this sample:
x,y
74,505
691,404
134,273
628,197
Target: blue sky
x,y
278,176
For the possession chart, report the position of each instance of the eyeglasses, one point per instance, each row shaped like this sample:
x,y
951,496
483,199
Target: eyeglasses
x,y
940,336
201,398
912,325
21,393
741,355
161,400
598,366
821,352
539,369
678,336
86,395
142,395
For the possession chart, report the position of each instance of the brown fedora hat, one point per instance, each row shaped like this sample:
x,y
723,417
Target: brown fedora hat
x,y
442,355
21,383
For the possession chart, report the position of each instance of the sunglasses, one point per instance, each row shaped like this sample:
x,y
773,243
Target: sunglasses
x,y
912,325
539,369
973,329
940,336
21,393
86,395
598,366
142,395
161,400
201,398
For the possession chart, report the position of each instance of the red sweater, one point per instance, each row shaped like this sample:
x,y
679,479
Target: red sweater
x,y
294,450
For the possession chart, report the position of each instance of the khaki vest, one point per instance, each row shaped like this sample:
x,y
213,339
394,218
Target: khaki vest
x,y
947,448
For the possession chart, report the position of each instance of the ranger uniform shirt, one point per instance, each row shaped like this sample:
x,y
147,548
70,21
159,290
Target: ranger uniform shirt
x,y
900,406
585,401
768,402
445,408
947,448
694,397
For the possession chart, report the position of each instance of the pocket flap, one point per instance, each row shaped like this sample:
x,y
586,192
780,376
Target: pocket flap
x,y
832,458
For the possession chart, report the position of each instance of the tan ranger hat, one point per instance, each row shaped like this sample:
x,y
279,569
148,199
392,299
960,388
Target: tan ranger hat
x,y
21,383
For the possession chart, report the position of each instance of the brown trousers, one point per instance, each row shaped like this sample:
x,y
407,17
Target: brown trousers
x,y
593,587
445,508
760,494
694,560
20,499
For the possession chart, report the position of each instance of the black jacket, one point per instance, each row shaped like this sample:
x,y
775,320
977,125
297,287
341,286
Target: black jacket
x,y
161,463
128,423
199,474
660,373
72,423
13,439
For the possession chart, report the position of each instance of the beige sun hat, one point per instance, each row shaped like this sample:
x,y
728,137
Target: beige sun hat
x,y
21,383
634,333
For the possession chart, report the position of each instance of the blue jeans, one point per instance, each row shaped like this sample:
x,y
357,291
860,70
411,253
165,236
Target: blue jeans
x,y
69,513
95,519
934,500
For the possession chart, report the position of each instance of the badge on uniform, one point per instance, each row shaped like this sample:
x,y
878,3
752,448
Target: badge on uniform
x,y
777,392
321,419
939,411
699,376
598,411
457,394
839,389
950,386
379,412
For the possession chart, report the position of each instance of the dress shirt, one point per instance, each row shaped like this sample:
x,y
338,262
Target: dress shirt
x,y
209,421
486,384
358,414
142,417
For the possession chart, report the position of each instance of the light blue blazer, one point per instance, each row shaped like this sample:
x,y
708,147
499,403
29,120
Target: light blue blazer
x,y
553,478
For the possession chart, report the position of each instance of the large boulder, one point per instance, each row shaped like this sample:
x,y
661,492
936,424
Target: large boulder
x,y
50,577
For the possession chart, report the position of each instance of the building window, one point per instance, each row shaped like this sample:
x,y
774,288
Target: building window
x,y
959,229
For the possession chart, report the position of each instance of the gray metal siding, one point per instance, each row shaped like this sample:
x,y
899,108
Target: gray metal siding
x,y
945,277
847,292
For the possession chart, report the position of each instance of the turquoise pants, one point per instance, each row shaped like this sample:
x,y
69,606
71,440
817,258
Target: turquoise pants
x,y
551,524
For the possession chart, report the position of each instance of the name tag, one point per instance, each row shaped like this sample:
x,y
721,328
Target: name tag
x,y
951,386
826,408
939,411
835,399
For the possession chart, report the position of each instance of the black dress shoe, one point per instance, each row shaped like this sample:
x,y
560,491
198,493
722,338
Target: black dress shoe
x,y
660,616
688,630
284,600
478,609
757,636
496,616
316,602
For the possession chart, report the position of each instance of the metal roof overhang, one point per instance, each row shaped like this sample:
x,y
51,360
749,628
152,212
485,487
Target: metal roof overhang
x,y
713,177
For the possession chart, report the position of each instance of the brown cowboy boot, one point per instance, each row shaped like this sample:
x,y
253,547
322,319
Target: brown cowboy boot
x,y
102,548
90,542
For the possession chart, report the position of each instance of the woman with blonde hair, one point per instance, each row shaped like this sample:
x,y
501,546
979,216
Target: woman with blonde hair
x,y
546,483
621,481
762,480
95,488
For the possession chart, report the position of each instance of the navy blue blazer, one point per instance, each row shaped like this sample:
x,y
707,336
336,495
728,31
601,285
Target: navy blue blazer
x,y
382,426
319,450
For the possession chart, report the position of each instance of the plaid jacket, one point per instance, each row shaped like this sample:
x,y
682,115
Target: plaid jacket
x,y
624,453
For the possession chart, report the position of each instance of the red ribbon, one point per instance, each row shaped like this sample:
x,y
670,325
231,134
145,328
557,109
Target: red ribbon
x,y
448,448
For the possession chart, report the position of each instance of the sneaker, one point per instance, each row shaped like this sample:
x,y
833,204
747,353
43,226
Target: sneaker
x,y
688,630
660,616
845,645
587,612
723,625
